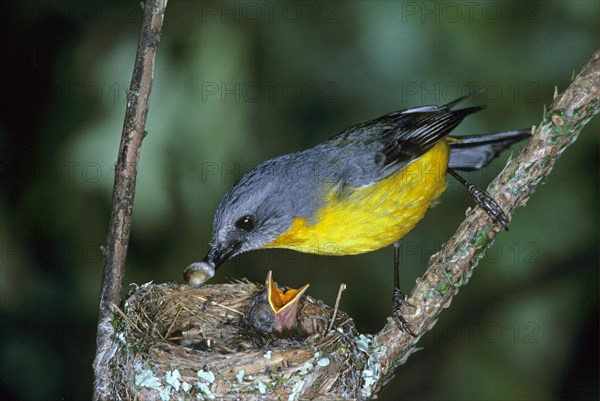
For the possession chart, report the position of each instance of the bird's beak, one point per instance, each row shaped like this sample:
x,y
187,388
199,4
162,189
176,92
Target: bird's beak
x,y
283,304
198,273
217,255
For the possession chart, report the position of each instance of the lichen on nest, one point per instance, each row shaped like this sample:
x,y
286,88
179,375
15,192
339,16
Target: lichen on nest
x,y
180,342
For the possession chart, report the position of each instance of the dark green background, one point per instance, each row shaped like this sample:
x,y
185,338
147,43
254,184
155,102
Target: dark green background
x,y
240,82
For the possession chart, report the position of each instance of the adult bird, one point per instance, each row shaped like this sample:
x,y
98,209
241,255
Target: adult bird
x,y
361,190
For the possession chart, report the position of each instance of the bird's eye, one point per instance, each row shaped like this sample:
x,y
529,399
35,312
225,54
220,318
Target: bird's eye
x,y
264,317
245,223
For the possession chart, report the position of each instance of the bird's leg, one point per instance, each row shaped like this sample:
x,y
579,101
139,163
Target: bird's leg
x,y
398,298
483,199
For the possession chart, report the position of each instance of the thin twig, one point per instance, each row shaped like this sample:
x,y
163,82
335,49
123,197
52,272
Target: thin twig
x,y
337,304
126,168
126,318
172,323
218,304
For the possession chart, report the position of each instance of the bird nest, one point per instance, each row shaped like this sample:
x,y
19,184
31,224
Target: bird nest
x,y
179,342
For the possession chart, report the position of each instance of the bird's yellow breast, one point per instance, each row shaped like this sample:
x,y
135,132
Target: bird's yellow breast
x,y
368,218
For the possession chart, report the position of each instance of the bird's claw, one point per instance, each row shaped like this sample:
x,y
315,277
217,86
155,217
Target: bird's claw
x,y
399,301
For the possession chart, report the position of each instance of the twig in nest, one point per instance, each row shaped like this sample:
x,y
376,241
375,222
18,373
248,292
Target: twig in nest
x,y
125,317
218,304
337,304
172,323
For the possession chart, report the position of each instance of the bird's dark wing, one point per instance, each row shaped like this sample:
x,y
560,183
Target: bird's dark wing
x,y
375,149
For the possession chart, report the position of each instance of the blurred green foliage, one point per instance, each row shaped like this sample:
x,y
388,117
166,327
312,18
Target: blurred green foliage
x,y
239,82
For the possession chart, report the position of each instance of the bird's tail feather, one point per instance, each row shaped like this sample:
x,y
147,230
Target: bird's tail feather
x,y
468,153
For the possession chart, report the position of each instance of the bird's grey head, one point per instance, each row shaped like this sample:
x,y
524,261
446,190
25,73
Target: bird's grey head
x,y
252,214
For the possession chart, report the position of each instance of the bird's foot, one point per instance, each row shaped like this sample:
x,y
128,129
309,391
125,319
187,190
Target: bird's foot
x,y
399,301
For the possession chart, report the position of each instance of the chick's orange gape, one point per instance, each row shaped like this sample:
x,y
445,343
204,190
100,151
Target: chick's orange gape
x,y
374,182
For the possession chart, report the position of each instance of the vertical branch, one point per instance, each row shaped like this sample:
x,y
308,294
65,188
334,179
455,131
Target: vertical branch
x,y
126,169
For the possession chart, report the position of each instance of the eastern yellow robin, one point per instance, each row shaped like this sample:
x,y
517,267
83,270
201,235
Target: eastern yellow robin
x,y
359,191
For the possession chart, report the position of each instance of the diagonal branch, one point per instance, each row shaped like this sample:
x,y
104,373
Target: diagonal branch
x,y
452,267
126,169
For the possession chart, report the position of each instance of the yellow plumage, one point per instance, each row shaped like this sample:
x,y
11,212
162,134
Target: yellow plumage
x,y
369,218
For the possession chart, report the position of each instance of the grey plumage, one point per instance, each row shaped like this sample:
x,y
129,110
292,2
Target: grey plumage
x,y
263,203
